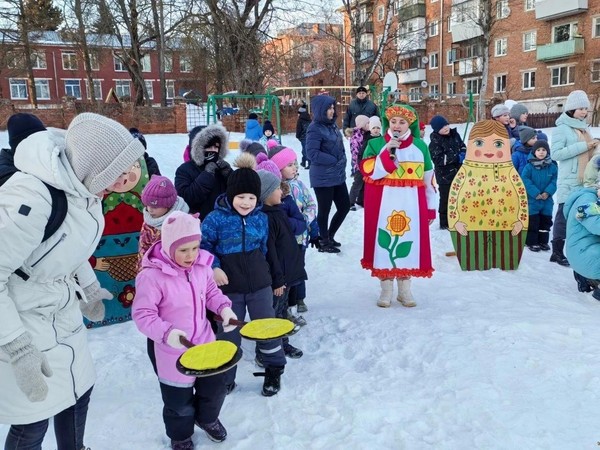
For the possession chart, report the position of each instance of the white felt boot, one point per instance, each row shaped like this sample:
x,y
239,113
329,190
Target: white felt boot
x,y
387,292
405,297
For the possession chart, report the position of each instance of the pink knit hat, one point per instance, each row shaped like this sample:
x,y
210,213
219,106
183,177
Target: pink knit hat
x,y
284,157
159,193
179,228
268,165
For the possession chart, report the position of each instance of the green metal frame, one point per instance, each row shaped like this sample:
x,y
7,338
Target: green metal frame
x,y
270,100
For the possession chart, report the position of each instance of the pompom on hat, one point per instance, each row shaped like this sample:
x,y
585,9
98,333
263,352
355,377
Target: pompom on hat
x,y
178,229
244,180
576,100
99,150
159,193
21,126
264,163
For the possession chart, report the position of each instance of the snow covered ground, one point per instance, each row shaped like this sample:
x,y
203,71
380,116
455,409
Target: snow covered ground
x,y
487,360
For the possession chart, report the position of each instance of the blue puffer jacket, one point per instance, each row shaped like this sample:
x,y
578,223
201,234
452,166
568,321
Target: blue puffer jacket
x,y
254,130
583,236
520,156
239,245
538,179
566,148
325,146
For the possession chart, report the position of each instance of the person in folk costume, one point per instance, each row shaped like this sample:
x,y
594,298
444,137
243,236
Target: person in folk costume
x,y
400,204
487,207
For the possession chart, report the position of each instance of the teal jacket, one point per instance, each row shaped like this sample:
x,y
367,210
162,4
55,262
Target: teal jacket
x,y
566,148
583,235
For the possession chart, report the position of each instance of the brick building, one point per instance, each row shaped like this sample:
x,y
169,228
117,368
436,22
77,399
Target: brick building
x,y
538,51
59,71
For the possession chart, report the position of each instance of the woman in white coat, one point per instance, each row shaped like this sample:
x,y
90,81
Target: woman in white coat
x,y
46,369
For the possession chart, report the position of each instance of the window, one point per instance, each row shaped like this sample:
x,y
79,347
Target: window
x,y
145,62
38,60
185,64
502,10
529,5
595,71
94,63
434,28
42,89
119,65
562,33
562,76
451,89
450,23
18,89
434,90
15,59
150,88
73,88
168,63
596,27
380,13
529,41
414,94
528,80
433,61
69,60
122,88
500,83
473,85
170,89
501,47
450,54
97,90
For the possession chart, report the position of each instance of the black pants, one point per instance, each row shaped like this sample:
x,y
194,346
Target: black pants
x,y
69,428
443,208
559,233
337,195
185,405
357,190
538,231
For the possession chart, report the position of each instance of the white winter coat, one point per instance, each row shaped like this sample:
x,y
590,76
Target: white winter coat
x,y
46,305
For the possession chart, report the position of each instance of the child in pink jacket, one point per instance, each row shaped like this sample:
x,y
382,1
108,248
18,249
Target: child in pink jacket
x,y
174,289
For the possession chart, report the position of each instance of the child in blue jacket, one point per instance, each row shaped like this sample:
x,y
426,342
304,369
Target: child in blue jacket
x,y
539,176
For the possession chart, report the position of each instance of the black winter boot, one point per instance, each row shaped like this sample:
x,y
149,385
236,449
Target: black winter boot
x,y
326,246
582,283
557,253
272,382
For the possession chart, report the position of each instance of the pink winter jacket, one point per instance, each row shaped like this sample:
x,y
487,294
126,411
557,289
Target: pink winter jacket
x,y
168,296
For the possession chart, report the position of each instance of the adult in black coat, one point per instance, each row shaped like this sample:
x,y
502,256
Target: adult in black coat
x,y
301,129
204,177
447,151
151,163
361,105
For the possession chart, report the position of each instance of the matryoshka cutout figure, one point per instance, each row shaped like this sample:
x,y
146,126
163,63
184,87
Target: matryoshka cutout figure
x,y
115,258
487,205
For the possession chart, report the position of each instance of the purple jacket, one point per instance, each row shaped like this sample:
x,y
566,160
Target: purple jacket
x,y
168,296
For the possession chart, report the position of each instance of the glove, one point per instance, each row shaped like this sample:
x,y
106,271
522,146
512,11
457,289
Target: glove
x,y
30,366
227,315
173,338
315,242
224,167
93,310
211,157
211,167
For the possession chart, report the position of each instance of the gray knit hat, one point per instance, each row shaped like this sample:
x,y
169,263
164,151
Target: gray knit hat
x,y
576,100
526,133
500,110
268,183
99,150
517,110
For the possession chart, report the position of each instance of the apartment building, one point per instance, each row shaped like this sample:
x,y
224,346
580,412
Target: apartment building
x,y
538,51
59,71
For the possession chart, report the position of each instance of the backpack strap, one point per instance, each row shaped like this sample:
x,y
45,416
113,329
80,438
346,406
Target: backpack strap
x,y
58,212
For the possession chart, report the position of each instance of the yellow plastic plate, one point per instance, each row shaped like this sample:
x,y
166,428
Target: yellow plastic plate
x,y
265,329
208,356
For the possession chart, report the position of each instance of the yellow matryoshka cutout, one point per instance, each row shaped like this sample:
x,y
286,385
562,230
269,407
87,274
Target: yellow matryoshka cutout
x,y
487,205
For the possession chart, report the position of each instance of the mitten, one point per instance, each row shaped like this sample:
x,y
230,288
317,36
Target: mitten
x,y
211,157
227,315
93,309
224,167
211,167
30,366
173,338
315,242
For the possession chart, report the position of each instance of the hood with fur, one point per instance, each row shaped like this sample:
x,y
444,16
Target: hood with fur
x,y
204,137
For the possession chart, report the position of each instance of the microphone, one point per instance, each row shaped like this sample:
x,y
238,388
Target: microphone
x,y
396,136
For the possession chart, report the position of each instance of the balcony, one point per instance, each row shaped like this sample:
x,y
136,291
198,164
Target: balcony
x,y
463,31
554,9
417,9
368,27
468,66
411,43
561,50
411,76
